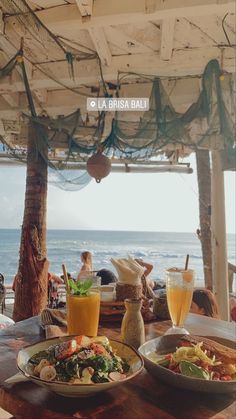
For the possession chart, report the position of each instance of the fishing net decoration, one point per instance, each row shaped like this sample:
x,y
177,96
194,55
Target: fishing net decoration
x,y
60,133
60,173
69,181
208,123
162,126
38,41
70,135
42,48
212,117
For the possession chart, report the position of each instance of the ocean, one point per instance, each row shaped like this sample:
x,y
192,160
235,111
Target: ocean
x,y
163,250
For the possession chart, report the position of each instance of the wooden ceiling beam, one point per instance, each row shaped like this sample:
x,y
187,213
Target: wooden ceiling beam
x,y
11,98
183,63
41,95
113,12
2,129
45,3
125,43
100,42
85,7
183,92
167,38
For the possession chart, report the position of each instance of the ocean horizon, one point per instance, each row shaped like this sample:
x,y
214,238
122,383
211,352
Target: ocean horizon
x,y
162,249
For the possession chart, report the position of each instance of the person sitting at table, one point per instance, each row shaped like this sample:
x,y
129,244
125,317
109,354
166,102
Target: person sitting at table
x,y
107,276
53,282
87,265
232,306
231,273
204,303
148,269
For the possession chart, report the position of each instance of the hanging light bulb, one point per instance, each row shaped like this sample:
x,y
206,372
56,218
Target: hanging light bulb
x,y
98,166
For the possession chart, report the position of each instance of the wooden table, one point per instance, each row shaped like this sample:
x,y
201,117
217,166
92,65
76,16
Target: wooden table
x,y
143,397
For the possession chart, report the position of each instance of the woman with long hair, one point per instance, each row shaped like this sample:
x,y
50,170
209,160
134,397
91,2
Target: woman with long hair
x,y
204,302
87,265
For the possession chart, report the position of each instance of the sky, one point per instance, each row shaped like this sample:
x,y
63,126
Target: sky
x,y
122,201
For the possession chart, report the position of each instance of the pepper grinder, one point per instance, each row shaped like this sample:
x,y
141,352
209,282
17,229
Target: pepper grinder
x,y
132,327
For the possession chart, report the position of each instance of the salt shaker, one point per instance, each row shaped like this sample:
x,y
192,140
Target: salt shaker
x,y
132,327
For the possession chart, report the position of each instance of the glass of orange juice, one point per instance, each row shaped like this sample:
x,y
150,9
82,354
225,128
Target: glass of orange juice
x,y
83,313
179,289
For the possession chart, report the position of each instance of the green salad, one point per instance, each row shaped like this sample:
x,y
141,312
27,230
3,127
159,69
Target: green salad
x,y
80,360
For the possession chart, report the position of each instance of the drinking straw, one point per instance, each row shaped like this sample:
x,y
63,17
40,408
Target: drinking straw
x,y
65,276
186,263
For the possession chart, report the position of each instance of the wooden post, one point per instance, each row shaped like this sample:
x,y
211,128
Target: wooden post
x,y
219,245
204,193
31,282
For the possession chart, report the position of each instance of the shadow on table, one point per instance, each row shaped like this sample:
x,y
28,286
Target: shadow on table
x,y
185,404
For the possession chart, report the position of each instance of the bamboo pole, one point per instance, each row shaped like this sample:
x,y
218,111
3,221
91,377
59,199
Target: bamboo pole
x,y
204,193
219,245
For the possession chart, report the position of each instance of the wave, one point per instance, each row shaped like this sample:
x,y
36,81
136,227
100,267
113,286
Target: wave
x,y
167,255
56,250
106,253
162,250
139,254
172,255
195,256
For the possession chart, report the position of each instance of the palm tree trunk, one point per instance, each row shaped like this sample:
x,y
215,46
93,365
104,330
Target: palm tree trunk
x,y
204,189
31,281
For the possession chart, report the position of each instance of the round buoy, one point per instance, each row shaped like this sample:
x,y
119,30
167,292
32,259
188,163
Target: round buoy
x,y
98,166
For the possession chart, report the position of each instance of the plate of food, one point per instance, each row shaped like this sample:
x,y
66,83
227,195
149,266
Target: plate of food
x,y
192,362
76,366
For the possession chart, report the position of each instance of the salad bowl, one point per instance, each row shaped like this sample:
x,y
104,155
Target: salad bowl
x,y
126,352
167,344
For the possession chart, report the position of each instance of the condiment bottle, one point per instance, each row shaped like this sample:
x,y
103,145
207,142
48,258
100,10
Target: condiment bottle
x,y
132,327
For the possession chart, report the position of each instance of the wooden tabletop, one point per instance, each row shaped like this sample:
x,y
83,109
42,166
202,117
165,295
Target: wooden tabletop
x,y
143,397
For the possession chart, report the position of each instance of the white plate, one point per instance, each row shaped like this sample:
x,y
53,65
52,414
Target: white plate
x,y
79,390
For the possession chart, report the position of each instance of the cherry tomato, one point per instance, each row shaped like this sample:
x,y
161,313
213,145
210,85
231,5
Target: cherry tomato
x,y
226,378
